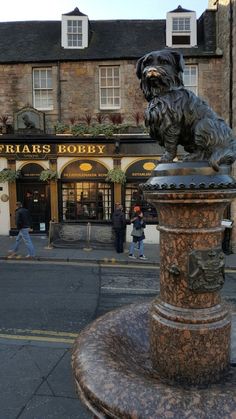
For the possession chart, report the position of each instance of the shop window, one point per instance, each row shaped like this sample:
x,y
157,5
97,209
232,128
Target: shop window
x,y
191,78
86,201
109,86
42,88
134,196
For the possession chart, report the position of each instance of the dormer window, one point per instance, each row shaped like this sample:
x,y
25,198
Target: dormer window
x,y
74,30
181,28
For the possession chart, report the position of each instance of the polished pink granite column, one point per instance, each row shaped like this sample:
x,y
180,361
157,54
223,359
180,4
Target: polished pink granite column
x,y
189,326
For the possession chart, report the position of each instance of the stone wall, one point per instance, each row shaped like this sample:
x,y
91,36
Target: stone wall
x,y
79,89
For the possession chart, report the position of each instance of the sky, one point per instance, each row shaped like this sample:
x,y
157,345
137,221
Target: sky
x,y
13,10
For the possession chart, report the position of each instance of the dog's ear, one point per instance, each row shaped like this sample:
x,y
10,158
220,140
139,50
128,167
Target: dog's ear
x,y
139,67
179,61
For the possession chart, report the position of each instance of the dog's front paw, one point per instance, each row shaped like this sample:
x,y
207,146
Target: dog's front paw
x,y
167,158
198,155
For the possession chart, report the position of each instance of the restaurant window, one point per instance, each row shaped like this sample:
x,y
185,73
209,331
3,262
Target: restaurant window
x,y
139,172
133,197
42,88
109,87
86,200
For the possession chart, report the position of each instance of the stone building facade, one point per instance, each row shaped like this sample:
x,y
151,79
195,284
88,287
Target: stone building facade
x,y
225,11
37,68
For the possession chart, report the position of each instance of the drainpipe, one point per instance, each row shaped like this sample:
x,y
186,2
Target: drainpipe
x,y
231,63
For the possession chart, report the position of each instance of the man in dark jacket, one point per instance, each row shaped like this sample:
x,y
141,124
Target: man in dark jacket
x,y
23,224
119,223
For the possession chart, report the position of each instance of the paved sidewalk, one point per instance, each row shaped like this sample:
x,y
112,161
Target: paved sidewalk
x,y
45,252
45,367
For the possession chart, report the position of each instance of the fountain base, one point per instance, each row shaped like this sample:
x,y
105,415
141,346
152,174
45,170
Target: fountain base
x,y
115,377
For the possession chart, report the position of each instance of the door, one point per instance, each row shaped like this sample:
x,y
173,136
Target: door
x,y
36,198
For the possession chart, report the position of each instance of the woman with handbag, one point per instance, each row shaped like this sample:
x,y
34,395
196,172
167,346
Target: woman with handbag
x,y
138,235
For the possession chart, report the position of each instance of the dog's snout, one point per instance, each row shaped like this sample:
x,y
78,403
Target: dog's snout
x,y
152,72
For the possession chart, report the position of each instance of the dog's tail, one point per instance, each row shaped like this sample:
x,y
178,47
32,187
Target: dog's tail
x,y
216,138
222,156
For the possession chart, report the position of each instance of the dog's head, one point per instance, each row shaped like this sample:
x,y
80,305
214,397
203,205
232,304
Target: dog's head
x,y
160,72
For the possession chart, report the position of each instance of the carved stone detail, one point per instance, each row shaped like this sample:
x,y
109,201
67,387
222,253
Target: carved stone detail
x,y
206,270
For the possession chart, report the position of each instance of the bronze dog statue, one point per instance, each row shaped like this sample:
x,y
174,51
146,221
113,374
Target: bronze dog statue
x,y
176,115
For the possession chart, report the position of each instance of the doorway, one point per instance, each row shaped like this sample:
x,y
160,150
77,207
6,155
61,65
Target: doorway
x,y
35,197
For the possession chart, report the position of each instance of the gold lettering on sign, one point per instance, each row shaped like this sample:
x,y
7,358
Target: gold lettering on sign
x,y
36,148
10,148
101,149
25,149
91,148
61,148
80,149
46,148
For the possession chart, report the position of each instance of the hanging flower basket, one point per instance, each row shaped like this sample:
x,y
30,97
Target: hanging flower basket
x,y
9,175
116,176
47,175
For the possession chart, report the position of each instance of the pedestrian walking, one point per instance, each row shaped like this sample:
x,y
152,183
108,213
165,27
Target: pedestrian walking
x,y
119,223
23,224
137,234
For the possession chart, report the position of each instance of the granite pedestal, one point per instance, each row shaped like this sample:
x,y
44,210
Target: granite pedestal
x,y
171,357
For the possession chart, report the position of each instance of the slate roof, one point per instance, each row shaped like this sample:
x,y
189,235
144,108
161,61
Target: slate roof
x,y
180,10
75,12
40,41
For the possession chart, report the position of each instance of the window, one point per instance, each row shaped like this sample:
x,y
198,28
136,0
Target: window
x,y
134,196
181,24
74,33
109,84
74,30
191,78
86,201
181,28
42,88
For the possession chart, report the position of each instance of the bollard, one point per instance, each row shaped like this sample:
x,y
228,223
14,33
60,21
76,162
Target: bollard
x,y
88,237
49,246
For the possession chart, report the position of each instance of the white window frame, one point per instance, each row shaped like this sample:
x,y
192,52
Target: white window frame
x,y
75,31
170,31
65,34
192,83
43,88
176,21
108,87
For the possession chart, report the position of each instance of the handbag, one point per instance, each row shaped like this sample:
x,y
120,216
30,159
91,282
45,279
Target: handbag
x,y
137,232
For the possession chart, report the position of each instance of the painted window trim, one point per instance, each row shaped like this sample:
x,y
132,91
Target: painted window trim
x,y
189,86
192,33
48,89
107,106
64,31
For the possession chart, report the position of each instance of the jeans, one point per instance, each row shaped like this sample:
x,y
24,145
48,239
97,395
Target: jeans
x,y
24,235
119,240
140,247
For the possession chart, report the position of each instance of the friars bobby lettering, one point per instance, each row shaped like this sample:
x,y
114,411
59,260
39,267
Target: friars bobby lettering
x,y
59,149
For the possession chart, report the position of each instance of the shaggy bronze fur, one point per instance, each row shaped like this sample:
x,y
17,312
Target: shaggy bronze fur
x,y
176,115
